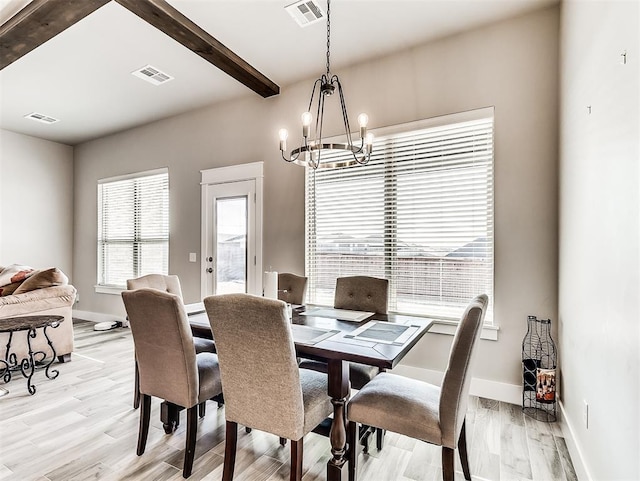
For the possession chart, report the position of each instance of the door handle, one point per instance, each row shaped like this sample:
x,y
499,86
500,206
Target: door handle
x,y
209,270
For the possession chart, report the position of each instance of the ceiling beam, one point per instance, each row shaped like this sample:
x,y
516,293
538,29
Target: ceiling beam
x,y
167,19
39,21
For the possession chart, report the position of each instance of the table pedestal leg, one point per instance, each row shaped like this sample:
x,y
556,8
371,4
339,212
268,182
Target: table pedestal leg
x,y
339,393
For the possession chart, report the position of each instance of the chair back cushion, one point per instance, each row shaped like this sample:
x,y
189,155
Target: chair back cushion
x,y
164,346
260,378
454,395
161,282
292,288
362,293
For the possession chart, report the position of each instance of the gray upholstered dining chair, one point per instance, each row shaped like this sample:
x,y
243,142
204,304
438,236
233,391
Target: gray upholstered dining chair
x,y
362,293
262,385
359,293
171,284
169,366
420,410
292,288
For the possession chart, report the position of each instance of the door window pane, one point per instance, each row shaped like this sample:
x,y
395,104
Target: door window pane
x,y
231,245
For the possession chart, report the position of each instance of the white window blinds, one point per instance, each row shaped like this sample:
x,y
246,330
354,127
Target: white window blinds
x,y
133,227
419,214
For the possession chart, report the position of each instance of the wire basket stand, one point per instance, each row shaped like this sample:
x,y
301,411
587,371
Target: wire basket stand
x,y
539,371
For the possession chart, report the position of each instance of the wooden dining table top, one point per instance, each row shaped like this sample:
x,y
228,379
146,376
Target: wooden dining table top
x,y
380,340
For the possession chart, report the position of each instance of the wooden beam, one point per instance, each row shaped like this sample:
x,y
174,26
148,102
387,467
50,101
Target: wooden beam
x,y
166,18
39,21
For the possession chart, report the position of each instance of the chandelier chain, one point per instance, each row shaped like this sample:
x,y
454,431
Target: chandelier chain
x,y
328,37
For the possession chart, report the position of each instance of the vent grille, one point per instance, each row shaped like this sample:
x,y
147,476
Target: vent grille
x,y
152,75
45,119
305,12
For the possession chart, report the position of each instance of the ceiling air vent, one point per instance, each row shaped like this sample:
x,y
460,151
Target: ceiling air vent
x,y
152,75
45,119
305,12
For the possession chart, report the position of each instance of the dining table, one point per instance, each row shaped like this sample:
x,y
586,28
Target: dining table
x,y
337,337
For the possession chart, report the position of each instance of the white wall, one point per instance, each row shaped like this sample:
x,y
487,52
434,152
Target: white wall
x,y
512,65
36,202
599,296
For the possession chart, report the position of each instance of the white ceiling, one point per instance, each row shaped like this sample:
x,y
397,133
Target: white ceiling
x,y
83,75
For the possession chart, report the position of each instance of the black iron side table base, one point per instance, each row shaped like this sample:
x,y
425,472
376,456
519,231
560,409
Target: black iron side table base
x,y
34,359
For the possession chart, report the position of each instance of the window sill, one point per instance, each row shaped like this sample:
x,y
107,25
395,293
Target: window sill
x,y
489,333
114,291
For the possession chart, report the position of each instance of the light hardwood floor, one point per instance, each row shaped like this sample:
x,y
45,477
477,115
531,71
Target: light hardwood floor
x,y
82,426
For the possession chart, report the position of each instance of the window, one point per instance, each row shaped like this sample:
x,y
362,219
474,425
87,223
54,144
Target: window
x,y
133,227
419,214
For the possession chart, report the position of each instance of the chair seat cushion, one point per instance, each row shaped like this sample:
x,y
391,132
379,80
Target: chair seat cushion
x,y
203,345
209,376
359,374
402,405
317,404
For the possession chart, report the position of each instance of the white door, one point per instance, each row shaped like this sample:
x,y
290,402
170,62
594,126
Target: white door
x,y
231,230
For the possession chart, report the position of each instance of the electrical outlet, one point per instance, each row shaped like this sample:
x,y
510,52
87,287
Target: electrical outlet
x,y
585,414
192,257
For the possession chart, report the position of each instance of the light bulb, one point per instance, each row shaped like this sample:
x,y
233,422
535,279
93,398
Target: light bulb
x,y
369,142
306,122
283,139
363,120
306,118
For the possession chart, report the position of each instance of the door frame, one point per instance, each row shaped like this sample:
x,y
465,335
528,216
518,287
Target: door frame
x,y
222,175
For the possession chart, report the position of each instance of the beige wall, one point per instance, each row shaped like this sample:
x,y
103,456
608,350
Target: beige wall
x,y
36,202
599,296
512,65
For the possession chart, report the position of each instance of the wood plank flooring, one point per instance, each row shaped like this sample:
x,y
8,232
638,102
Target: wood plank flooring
x,y
82,426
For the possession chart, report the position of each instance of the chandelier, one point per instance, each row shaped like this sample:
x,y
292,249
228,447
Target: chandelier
x,y
310,153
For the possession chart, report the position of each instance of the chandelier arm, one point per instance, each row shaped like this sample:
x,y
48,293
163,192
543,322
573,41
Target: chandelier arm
x,y
313,92
345,115
292,159
320,125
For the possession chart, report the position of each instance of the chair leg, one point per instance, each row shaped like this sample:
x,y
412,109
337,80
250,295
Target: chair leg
x,y
136,387
145,414
283,441
352,455
365,432
190,449
247,429
379,438
231,441
462,451
219,399
447,464
296,460
202,409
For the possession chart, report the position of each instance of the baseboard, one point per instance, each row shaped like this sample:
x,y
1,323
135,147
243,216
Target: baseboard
x,y
98,317
574,449
499,391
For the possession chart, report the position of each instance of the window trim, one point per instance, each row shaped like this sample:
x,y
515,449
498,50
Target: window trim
x,y
111,289
442,324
